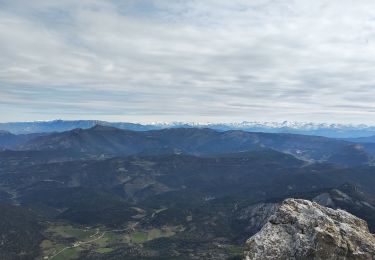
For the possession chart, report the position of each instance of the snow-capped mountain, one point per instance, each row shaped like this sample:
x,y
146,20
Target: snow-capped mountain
x,y
308,128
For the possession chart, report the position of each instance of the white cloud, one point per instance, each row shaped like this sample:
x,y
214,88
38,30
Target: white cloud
x,y
188,60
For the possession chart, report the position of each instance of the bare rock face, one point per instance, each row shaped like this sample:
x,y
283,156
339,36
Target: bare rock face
x,y
300,229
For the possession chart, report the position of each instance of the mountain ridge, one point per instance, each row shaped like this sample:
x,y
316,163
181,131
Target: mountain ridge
x,y
324,129
110,141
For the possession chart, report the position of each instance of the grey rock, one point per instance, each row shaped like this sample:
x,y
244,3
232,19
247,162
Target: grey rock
x,y
301,229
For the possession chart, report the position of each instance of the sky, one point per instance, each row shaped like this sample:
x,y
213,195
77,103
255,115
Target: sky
x,y
191,60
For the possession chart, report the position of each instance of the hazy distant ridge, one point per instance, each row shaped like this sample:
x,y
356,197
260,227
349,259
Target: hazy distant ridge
x,y
323,129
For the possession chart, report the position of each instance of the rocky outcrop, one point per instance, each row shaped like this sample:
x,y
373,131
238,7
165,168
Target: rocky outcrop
x,y
301,229
351,199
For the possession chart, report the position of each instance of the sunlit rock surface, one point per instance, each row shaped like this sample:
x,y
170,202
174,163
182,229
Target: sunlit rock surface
x,y
300,229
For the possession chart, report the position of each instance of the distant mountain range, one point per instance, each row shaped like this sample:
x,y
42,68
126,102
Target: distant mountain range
x,y
320,129
105,141
103,192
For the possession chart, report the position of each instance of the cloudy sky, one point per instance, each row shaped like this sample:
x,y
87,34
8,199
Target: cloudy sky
x,y
202,60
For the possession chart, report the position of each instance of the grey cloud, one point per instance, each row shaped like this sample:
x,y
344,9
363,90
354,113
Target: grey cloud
x,y
177,60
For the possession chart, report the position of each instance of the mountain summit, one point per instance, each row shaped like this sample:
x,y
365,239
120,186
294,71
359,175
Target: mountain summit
x,y
300,229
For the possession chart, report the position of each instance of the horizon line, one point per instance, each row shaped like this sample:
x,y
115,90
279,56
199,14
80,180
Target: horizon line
x,y
157,122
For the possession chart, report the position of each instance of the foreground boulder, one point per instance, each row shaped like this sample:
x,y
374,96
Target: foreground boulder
x,y
300,229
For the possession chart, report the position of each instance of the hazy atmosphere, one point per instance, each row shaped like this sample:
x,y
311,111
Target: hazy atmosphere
x,y
188,60
187,129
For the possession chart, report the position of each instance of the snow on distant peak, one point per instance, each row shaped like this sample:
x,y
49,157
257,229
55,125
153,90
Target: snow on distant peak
x,y
265,124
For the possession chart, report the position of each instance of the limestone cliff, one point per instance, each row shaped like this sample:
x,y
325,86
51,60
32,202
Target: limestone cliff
x,y
300,229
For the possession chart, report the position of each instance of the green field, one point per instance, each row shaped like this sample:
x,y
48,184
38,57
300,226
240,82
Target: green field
x,y
70,253
141,237
104,250
68,231
61,235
